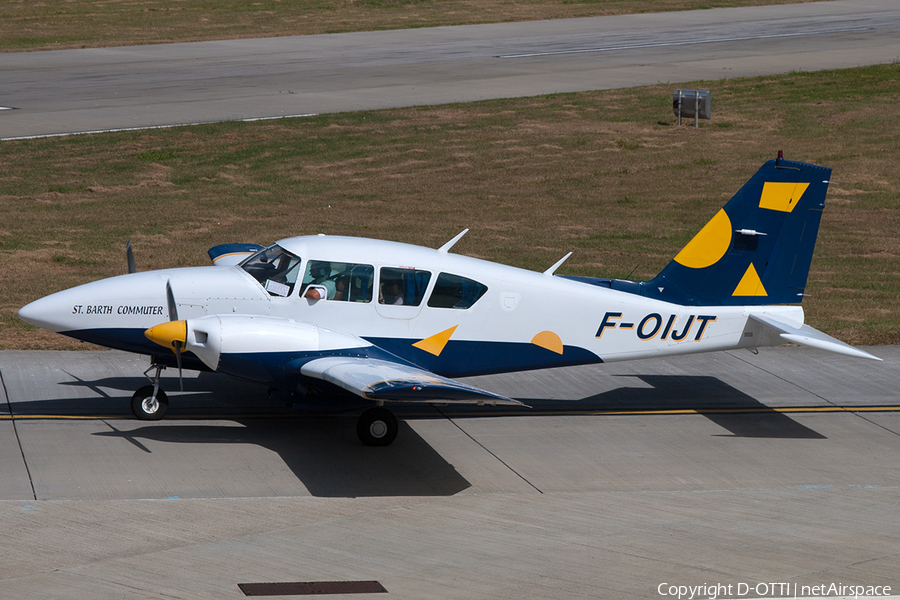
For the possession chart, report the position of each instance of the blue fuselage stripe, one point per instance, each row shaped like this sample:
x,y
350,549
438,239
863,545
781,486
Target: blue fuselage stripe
x,y
458,358
468,358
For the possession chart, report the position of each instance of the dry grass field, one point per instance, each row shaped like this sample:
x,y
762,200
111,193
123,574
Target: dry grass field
x,y
606,174
60,24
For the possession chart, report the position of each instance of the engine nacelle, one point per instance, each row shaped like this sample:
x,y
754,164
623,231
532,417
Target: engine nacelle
x,y
210,337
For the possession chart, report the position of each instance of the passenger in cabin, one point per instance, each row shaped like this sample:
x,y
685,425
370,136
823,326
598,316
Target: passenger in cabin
x,y
392,292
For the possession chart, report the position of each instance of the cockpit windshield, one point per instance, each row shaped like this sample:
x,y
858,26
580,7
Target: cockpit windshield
x,y
275,268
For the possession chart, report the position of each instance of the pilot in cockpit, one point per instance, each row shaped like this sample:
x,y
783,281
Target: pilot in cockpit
x,y
320,272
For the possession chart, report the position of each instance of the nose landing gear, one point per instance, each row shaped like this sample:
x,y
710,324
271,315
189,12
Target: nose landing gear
x,y
150,403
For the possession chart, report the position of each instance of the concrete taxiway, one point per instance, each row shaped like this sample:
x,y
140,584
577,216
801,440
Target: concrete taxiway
x,y
114,88
723,468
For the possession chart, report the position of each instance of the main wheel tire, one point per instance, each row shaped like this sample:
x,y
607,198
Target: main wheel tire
x,y
377,427
147,408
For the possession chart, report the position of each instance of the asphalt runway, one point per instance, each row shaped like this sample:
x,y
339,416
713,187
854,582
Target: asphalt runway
x,y
145,86
727,468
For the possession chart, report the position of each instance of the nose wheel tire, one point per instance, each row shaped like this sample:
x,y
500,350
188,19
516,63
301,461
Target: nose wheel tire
x,y
148,407
377,427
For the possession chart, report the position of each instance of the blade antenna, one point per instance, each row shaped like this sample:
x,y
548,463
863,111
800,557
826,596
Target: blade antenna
x,y
557,264
129,254
173,316
446,247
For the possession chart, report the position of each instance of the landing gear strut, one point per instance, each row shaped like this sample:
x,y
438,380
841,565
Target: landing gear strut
x,y
150,403
377,427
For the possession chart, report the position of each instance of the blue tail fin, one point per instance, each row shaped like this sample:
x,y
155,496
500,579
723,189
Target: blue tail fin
x,y
755,250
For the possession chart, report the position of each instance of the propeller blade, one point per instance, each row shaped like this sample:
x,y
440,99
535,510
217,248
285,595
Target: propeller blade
x,y
178,345
170,300
129,254
177,342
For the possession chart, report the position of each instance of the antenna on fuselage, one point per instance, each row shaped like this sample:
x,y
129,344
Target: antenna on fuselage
x,y
446,247
557,264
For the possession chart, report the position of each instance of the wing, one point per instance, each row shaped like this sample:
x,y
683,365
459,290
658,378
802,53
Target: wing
x,y
250,347
376,379
808,336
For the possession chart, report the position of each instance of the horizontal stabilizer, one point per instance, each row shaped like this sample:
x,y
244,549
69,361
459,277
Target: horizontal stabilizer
x,y
383,380
809,336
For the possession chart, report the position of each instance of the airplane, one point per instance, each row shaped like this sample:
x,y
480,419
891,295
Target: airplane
x,y
394,323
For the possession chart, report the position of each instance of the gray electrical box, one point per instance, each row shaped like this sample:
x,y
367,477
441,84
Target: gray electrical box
x,y
692,103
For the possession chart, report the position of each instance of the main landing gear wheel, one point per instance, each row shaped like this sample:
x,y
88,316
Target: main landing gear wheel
x,y
148,407
377,427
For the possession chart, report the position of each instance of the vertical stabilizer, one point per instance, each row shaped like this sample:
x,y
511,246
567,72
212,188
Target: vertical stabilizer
x,y
757,249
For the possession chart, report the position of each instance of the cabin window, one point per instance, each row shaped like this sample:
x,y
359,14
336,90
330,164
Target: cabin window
x,y
453,291
274,268
345,282
402,286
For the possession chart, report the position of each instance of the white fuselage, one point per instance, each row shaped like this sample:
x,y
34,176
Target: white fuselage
x,y
524,320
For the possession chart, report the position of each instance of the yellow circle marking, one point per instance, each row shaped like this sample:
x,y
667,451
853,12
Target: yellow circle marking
x,y
709,245
549,341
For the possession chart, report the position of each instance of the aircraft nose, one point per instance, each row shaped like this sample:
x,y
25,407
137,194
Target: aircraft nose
x,y
42,313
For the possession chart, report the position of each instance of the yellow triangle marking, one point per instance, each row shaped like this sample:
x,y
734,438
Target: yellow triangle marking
x,y
549,341
750,284
435,344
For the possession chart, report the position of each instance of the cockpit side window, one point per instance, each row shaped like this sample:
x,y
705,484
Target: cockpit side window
x,y
347,282
274,268
401,285
454,291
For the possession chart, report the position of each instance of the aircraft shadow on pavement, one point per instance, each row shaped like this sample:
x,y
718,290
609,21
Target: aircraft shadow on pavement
x,y
205,394
725,405
323,453
213,396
